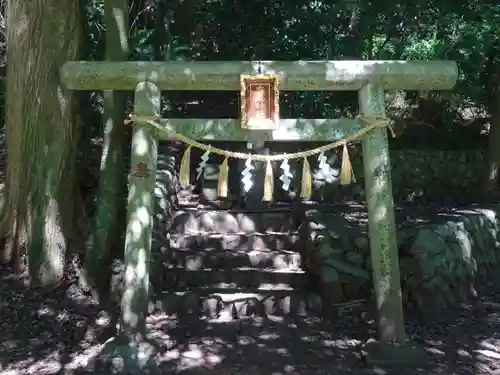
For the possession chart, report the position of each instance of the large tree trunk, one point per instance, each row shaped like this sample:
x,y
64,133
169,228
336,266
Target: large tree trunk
x,y
109,222
40,215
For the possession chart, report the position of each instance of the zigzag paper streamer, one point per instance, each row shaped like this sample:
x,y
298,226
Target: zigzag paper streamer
x,y
247,176
202,164
286,175
324,168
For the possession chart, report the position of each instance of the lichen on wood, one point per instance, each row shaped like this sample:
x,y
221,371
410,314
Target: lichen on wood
x,y
142,180
295,75
381,220
289,130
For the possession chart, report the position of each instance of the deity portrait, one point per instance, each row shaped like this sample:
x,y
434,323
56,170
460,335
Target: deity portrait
x,y
259,102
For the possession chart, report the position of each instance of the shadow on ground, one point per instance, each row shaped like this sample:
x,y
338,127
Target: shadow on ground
x,y
62,332
46,333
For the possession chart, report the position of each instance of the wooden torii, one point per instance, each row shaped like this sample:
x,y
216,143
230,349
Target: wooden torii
x,y
369,78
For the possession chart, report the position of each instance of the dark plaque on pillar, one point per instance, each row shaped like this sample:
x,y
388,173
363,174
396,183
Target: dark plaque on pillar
x,y
259,116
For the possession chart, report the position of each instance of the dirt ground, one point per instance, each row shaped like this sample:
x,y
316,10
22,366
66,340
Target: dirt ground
x,y
63,331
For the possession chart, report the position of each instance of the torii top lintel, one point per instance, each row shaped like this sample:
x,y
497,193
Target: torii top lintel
x,y
294,75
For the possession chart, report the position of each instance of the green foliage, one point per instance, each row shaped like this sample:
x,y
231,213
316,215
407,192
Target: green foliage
x,y
94,29
141,44
467,32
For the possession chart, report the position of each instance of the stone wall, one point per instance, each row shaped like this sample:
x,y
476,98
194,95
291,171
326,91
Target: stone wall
x,y
442,256
418,176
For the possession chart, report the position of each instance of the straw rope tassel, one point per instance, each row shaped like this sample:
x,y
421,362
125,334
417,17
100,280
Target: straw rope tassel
x,y
222,189
346,172
268,183
184,172
306,183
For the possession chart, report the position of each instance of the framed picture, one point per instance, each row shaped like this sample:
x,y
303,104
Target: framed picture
x,y
260,102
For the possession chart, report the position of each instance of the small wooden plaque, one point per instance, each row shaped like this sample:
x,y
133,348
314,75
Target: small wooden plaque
x,y
260,102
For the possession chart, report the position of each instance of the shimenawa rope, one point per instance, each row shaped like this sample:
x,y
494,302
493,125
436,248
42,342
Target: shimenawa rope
x,y
346,172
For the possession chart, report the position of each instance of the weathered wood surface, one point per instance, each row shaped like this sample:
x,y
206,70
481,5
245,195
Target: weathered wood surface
x,y
381,221
295,75
137,255
316,130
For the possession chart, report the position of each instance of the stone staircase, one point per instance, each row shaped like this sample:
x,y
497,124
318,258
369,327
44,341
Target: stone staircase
x,y
226,265
230,290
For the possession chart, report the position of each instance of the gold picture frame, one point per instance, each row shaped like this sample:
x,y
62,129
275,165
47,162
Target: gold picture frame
x,y
259,100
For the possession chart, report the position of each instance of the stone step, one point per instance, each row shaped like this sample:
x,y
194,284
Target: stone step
x,y
275,345
192,221
243,277
226,304
245,242
232,258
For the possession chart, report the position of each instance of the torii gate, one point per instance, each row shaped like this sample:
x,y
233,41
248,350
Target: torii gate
x,y
369,78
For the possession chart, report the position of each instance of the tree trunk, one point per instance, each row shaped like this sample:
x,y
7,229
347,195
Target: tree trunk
x,y
40,215
111,202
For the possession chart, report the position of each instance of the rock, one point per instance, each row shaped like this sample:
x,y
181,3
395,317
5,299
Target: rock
x,y
357,288
329,274
117,356
355,258
410,268
332,294
427,242
361,242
